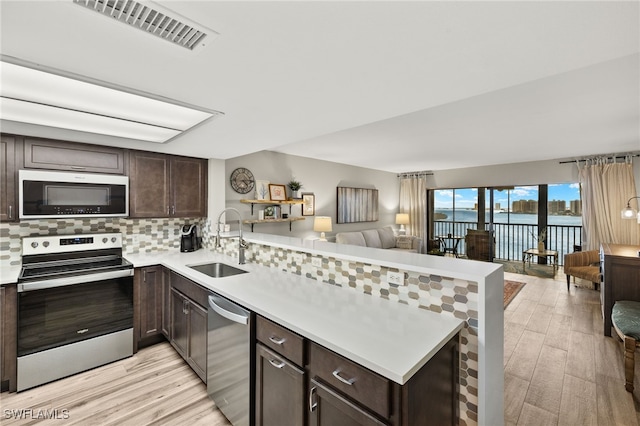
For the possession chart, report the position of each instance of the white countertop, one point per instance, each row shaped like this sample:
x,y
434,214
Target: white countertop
x,y
434,265
9,274
390,338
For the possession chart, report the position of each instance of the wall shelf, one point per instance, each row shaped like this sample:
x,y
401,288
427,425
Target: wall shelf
x,y
289,220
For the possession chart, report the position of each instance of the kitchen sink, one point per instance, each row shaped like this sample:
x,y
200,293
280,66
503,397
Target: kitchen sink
x,y
217,269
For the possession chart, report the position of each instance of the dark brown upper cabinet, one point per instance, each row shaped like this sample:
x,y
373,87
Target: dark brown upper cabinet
x,y
166,185
8,181
59,155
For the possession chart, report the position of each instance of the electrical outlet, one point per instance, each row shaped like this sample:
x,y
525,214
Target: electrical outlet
x,y
395,278
316,261
297,258
135,238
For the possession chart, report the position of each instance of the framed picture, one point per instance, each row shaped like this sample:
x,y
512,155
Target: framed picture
x,y
262,189
277,192
308,204
357,205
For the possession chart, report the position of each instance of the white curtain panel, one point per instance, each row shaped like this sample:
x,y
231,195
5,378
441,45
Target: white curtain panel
x,y
606,187
413,200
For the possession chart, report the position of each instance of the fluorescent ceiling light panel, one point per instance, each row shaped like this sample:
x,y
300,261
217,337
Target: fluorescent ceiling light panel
x,y
45,115
69,103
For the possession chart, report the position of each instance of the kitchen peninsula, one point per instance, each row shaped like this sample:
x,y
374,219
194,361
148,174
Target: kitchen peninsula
x,y
353,323
437,300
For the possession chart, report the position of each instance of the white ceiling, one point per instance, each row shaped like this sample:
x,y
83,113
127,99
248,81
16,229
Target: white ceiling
x,y
396,86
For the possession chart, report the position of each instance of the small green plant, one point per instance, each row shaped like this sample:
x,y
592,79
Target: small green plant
x,y
294,185
435,252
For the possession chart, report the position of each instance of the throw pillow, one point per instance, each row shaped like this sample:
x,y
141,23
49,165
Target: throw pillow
x,y
387,238
404,242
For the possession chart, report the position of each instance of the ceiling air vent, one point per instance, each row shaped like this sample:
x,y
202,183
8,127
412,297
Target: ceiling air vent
x,y
155,20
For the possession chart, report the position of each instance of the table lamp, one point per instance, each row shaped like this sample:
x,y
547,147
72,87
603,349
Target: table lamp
x,y
402,219
322,224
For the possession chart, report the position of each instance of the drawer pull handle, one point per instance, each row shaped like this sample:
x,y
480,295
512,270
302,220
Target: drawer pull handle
x,y
312,403
276,363
337,375
277,340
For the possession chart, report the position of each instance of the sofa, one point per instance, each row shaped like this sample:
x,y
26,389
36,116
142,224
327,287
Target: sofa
x,y
382,238
583,264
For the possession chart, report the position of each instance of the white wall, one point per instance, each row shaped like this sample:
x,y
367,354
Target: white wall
x,y
319,177
215,189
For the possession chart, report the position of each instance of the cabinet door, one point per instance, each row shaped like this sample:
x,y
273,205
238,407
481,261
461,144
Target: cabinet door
x,y
60,155
8,199
188,187
150,291
179,323
9,332
148,185
197,337
280,392
327,408
166,304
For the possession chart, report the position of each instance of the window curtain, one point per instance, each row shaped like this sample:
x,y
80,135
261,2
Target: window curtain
x,y
606,187
413,200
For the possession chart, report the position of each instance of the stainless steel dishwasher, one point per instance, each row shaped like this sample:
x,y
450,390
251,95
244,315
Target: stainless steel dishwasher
x,y
229,360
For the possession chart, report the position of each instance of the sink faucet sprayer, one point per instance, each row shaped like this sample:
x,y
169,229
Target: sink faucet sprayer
x,y
242,244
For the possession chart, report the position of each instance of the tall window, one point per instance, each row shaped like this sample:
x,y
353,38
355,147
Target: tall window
x,y
519,215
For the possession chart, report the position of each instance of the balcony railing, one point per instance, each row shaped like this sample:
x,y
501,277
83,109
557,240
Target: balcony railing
x,y
512,238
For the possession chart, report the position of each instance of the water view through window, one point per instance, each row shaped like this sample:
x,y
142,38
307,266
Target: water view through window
x,y
515,217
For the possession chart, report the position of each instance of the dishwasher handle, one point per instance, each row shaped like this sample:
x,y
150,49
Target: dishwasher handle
x,y
228,310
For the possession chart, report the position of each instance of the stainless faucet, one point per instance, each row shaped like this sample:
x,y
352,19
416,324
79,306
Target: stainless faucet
x,y
242,244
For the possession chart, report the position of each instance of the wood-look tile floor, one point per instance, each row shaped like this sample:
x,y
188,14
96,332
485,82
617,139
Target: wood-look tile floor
x,y
559,370
154,387
559,367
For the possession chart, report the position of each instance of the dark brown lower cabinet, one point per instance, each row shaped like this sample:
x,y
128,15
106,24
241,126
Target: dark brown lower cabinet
x,y
148,300
189,332
329,408
342,392
8,337
279,390
166,304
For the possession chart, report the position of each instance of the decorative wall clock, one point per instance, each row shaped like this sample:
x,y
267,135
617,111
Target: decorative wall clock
x,y
242,180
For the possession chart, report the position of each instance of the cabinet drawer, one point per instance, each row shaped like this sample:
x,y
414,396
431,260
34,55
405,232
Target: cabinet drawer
x,y
364,386
190,289
283,341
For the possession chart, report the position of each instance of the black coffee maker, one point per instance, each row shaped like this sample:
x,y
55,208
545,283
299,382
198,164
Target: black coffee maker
x,y
189,240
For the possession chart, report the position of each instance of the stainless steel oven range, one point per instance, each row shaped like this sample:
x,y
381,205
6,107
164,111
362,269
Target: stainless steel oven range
x,y
75,306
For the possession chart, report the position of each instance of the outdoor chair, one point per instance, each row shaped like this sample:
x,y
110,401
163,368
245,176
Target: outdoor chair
x,y
480,245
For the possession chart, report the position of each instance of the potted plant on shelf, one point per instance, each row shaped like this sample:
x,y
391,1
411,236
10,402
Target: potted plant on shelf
x,y
269,212
295,187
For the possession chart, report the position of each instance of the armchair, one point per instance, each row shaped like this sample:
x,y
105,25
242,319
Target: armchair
x,y
583,264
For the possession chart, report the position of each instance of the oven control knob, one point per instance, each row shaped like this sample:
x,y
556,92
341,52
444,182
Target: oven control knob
x,y
104,240
113,239
34,244
45,243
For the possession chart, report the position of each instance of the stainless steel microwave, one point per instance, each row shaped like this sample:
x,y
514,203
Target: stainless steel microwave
x,y
45,194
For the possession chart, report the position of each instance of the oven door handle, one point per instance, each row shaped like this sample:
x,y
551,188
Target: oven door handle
x,y
78,279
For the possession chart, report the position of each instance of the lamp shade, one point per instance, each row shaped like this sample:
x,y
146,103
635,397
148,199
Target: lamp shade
x,y
402,218
322,224
629,212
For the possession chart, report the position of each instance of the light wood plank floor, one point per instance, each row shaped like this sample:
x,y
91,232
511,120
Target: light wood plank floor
x,y
559,367
559,370
154,387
